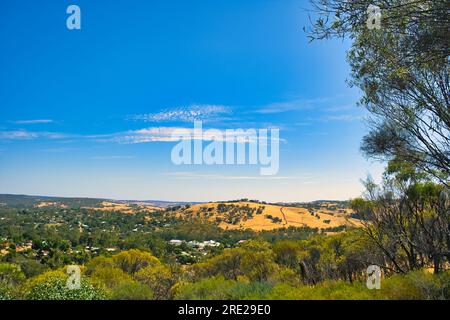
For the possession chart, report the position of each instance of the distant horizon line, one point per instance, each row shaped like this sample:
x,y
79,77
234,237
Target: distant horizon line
x,y
168,201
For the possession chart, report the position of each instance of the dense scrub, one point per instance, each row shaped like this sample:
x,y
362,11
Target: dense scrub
x,y
323,267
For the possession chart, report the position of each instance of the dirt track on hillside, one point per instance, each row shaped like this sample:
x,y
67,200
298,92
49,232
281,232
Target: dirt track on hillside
x,y
284,216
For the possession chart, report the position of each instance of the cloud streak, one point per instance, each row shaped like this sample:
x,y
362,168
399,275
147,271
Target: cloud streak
x,y
344,117
37,121
30,135
145,135
113,157
173,134
193,175
190,113
293,105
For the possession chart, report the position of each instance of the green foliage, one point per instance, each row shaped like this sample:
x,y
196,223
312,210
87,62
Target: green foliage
x,y
52,285
10,274
160,279
99,262
5,293
30,267
273,219
228,264
287,253
418,285
254,259
329,290
131,290
287,263
249,290
403,71
133,260
115,274
218,288
258,262
110,277
407,222
215,288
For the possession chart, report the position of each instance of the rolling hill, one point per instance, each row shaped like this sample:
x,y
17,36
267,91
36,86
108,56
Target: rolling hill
x,y
26,201
259,216
230,215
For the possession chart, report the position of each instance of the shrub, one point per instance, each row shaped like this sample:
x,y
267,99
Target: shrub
x,y
10,274
159,278
5,292
110,277
133,260
132,290
249,291
215,288
417,285
329,290
52,285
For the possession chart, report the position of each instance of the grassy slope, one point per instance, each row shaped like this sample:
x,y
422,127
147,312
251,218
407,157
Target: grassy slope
x,y
290,216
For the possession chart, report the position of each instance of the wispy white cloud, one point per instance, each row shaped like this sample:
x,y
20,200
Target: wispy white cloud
x,y
344,117
190,113
337,103
279,107
18,135
58,150
152,134
340,108
112,157
294,105
194,175
173,134
36,121
145,135
327,111
30,135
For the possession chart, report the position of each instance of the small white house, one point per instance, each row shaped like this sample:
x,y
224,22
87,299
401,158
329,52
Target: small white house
x,y
211,243
176,242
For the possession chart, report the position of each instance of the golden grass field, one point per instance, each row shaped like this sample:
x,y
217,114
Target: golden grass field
x,y
123,207
46,204
327,216
290,216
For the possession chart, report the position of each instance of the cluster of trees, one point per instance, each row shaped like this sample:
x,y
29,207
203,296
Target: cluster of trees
x,y
234,214
28,202
402,68
408,219
322,204
60,237
323,267
273,219
229,213
403,71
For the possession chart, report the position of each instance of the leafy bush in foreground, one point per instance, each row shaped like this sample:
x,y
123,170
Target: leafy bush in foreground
x,y
53,286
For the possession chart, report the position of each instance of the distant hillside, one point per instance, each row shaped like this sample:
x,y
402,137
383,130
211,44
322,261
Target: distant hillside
x,y
159,203
228,215
262,216
25,201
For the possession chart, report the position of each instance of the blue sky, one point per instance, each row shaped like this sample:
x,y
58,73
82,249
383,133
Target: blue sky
x,y
85,112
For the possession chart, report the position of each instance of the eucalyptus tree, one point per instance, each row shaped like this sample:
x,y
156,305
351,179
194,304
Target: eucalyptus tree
x,y
400,60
